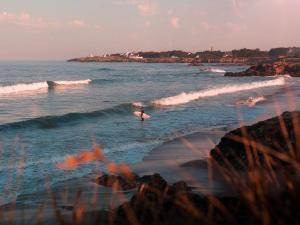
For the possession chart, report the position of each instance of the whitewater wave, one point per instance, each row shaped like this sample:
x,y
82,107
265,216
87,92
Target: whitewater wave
x,y
192,96
22,87
251,101
67,82
214,70
31,87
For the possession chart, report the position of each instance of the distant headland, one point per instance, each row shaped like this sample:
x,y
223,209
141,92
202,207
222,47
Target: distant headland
x,y
241,56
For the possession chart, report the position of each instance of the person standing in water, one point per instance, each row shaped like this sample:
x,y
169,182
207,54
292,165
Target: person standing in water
x,y
142,113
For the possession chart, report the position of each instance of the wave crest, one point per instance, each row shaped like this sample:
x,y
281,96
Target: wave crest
x,y
22,87
214,70
192,96
32,87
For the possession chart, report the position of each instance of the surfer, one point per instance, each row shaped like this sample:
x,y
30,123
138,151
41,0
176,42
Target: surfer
x,y
142,113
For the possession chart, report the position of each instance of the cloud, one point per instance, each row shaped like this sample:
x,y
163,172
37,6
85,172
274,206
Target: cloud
x,y
147,8
144,7
207,26
175,22
147,23
236,27
77,24
26,20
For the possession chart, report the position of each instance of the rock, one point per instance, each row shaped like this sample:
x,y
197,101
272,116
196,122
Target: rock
x,y
155,181
180,188
156,202
117,181
267,133
277,68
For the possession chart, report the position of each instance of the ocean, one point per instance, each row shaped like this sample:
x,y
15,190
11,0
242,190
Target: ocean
x,y
94,103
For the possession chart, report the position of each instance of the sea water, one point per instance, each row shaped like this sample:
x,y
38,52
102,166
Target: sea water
x,y
40,125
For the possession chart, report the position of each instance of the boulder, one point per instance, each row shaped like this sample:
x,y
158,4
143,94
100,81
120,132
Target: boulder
x,y
267,137
118,182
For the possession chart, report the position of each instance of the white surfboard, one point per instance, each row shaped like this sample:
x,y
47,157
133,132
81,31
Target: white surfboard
x,y
138,114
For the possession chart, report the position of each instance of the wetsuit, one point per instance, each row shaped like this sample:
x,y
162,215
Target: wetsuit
x,y
142,113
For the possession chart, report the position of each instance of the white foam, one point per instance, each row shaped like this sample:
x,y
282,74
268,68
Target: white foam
x,y
252,101
71,82
187,97
214,70
138,104
23,88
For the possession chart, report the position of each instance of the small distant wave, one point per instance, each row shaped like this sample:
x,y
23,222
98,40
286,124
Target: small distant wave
x,y
22,87
251,101
214,70
67,82
192,96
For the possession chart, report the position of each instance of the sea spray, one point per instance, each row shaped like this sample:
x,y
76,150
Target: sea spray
x,y
192,96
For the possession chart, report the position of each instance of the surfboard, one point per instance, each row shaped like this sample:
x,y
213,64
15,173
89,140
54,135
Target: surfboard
x,y
138,114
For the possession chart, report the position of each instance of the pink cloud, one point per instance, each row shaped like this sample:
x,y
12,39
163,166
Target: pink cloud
x,y
26,20
144,7
236,27
77,24
175,22
147,9
206,26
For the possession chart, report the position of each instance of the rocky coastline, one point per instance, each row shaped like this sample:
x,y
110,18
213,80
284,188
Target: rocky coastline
x,y
235,57
273,69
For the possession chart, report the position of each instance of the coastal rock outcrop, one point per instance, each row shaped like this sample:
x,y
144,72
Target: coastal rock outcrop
x,y
278,68
258,143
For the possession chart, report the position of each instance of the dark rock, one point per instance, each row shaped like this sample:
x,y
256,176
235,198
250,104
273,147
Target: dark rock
x,y
118,182
266,135
158,203
155,181
278,68
180,187
68,207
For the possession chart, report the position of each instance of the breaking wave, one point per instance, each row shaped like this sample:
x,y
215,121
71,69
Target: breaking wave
x,y
192,96
31,87
22,87
67,82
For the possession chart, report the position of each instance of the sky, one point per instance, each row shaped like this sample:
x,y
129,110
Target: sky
x,y
63,29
